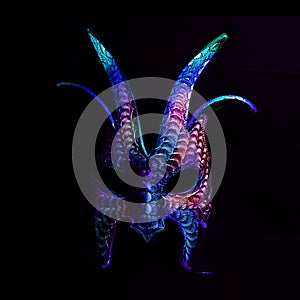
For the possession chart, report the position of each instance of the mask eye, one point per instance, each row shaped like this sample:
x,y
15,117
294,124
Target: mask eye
x,y
183,181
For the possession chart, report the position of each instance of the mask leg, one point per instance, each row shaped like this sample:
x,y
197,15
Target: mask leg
x,y
188,221
105,230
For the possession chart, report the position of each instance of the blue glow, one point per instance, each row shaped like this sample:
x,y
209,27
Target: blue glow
x,y
148,230
93,95
203,224
115,77
189,75
218,99
192,71
108,62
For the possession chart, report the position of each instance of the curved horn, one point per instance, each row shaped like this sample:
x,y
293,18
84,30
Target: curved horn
x,y
92,94
218,99
176,112
123,95
122,92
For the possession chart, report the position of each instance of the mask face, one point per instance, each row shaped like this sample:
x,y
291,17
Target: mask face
x,y
179,156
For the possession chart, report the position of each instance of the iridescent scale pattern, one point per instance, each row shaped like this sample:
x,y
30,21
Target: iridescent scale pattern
x,y
182,143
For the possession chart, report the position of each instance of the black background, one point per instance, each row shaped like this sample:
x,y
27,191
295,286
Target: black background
x,y
253,240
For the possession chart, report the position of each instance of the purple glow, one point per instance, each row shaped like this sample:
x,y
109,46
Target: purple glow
x,y
93,95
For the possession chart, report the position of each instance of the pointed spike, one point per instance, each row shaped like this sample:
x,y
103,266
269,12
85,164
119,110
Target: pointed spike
x,y
220,99
182,89
108,62
122,90
192,71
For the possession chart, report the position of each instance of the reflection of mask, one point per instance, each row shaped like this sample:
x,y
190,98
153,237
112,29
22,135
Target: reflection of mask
x,y
181,144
